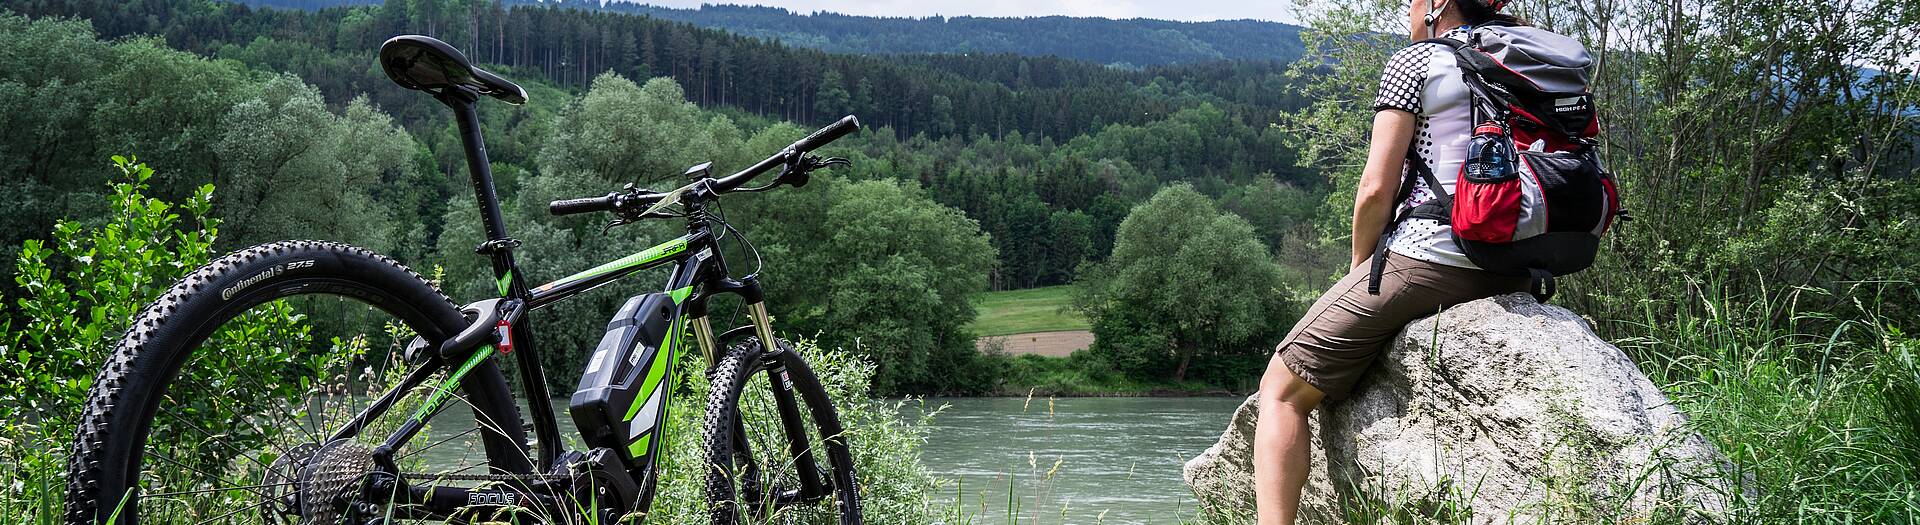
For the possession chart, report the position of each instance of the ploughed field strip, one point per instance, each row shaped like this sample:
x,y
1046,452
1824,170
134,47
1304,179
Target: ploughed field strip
x,y
1050,344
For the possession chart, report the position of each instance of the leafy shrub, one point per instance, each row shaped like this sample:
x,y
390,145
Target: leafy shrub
x,y
86,285
81,291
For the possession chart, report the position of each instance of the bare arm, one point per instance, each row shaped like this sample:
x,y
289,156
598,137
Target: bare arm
x,y
1380,180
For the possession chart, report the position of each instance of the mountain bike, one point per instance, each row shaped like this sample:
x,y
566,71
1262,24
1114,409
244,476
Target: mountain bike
x,y
333,439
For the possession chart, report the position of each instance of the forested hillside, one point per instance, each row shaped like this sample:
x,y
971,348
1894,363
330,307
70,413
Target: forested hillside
x,y
1121,43
569,45
1007,114
287,116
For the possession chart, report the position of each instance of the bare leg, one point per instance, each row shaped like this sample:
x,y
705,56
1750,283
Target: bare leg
x,y
1280,443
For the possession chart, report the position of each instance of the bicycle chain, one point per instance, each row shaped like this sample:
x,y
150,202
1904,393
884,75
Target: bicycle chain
x,y
486,477
335,468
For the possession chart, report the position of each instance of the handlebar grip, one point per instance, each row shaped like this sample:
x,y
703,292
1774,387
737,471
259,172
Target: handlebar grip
x,y
832,132
585,205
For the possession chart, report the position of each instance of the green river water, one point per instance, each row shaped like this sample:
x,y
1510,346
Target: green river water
x,y
1118,458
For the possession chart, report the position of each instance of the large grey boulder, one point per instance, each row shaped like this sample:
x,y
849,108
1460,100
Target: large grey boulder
x,y
1501,410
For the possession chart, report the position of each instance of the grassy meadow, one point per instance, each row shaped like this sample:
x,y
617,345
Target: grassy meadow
x,y
1044,309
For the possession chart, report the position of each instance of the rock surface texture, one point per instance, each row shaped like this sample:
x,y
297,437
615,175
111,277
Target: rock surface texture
x,y
1501,410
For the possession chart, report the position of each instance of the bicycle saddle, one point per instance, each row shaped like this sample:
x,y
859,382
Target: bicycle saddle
x,y
423,63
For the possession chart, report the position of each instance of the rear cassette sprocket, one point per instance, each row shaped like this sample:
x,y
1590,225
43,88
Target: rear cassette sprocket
x,y
330,478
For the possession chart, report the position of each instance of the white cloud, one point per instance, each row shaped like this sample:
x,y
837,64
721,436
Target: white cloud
x,y
1189,10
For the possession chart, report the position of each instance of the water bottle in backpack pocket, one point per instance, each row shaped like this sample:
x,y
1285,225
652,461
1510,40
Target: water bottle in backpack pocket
x,y
1491,198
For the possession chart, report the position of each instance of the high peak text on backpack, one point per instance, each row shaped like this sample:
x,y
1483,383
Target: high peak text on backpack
x,y
1531,199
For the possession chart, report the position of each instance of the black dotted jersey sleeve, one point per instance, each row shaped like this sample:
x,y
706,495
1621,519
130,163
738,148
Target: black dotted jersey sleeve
x,y
1404,78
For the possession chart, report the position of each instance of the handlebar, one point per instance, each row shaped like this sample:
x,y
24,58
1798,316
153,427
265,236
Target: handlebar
x,y
582,205
618,200
846,125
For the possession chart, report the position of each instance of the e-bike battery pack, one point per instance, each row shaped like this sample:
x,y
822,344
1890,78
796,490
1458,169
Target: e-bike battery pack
x,y
621,402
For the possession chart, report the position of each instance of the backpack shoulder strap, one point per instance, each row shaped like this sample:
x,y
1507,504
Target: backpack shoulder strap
x,y
1437,209
1449,42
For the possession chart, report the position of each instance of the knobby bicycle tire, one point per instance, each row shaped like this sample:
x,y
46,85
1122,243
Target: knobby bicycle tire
x,y
119,412
744,362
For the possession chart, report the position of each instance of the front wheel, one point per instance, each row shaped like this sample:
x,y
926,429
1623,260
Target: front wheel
x,y
764,452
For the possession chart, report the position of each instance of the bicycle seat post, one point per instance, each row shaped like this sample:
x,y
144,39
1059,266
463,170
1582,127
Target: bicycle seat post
x,y
499,248
462,101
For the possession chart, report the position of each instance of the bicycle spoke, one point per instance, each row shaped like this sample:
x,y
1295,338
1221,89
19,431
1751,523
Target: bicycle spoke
x,y
210,438
232,512
209,475
217,489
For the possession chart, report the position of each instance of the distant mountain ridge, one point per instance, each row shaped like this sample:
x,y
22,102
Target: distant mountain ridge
x,y
1132,42
1129,43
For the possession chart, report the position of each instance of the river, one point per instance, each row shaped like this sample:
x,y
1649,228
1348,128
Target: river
x,y
1118,458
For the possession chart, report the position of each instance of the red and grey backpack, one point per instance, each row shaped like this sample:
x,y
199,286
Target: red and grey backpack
x,y
1531,199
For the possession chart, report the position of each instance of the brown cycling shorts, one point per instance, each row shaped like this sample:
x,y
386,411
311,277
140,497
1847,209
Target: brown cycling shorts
x,y
1337,339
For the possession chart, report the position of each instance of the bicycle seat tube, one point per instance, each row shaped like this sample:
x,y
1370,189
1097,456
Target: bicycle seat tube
x,y
499,248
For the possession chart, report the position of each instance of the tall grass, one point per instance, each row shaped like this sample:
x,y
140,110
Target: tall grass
x,y
1820,411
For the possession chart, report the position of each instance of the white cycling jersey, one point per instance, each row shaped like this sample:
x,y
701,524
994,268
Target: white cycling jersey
x,y
1424,79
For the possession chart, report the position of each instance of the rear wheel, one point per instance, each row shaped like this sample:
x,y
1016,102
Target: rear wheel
x,y
756,459
217,404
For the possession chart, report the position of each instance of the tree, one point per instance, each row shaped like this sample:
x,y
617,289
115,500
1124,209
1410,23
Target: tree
x,y
80,292
878,267
72,99
1285,216
1071,246
297,170
1187,287
832,100
942,115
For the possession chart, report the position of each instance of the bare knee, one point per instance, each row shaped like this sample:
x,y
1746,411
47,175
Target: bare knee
x,y
1284,390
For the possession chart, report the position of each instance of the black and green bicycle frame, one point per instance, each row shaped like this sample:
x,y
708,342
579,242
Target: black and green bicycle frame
x,y
623,402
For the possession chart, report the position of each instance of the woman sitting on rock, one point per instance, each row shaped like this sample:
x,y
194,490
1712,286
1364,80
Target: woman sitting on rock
x,y
1422,107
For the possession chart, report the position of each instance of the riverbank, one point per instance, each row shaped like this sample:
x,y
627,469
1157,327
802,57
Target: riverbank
x,y
1045,309
1037,343
1082,375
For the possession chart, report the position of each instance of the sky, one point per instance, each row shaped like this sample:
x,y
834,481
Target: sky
x,y
1188,10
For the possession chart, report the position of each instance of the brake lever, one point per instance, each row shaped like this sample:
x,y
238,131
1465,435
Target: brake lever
x,y
799,171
